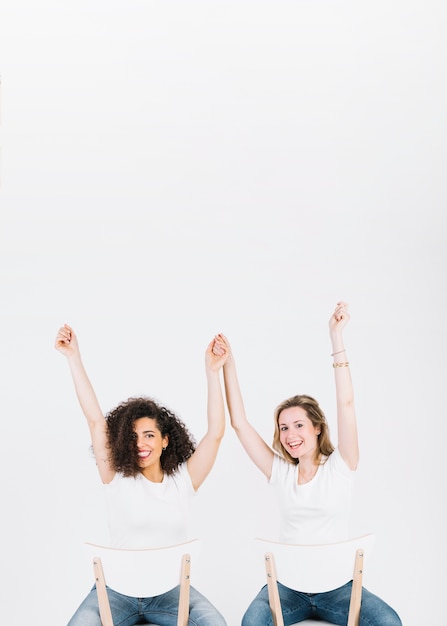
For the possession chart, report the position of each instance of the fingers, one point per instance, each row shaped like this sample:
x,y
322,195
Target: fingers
x,y
64,335
218,345
223,341
341,311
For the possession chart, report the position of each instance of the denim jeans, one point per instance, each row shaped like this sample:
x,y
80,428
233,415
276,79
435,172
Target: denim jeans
x,y
161,610
332,606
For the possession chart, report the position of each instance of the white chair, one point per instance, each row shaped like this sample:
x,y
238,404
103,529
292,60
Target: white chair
x,y
143,573
316,569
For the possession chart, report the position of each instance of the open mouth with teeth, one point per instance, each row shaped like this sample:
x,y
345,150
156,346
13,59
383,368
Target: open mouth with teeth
x,y
144,454
295,445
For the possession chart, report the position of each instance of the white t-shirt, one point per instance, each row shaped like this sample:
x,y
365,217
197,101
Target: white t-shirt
x,y
143,514
317,511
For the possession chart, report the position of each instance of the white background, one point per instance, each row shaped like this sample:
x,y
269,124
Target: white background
x,y
170,170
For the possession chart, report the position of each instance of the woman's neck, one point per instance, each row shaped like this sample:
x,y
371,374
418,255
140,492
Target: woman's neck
x,y
307,468
154,474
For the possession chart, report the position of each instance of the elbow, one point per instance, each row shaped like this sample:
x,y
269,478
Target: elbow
x,y
221,433
218,433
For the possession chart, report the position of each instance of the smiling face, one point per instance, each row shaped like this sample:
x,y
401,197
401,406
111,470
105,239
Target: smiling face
x,y
297,434
150,444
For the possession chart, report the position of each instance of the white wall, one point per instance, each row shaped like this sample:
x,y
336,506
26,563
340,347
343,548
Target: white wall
x,y
170,170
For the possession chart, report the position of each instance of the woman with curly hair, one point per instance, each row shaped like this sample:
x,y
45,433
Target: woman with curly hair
x,y
151,468
313,481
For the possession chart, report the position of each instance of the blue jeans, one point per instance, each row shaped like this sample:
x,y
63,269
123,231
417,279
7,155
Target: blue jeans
x,y
332,606
161,610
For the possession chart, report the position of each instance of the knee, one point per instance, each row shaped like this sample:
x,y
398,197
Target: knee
x,y
85,619
382,618
252,619
218,620
392,620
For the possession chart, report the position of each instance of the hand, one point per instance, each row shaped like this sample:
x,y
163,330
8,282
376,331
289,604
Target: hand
x,y
66,341
222,344
216,353
339,318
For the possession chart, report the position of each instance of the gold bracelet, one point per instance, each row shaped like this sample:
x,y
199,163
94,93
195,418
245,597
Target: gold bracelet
x,y
340,364
339,352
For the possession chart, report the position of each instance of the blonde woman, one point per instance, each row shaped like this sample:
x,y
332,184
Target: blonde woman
x,y
313,481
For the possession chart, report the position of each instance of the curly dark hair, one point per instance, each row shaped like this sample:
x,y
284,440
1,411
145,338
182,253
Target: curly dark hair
x,y
121,436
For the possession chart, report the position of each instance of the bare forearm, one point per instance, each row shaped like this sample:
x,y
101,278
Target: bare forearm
x,y
346,417
84,391
215,406
256,448
343,381
235,402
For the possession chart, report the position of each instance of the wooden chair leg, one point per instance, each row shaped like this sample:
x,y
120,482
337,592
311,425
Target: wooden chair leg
x,y
356,592
103,600
272,585
185,583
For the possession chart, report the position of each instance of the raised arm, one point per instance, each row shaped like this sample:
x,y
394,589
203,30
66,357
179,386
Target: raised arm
x,y
256,448
202,460
67,344
346,418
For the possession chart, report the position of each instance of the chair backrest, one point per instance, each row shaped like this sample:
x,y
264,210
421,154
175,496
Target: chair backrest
x,y
316,568
144,573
